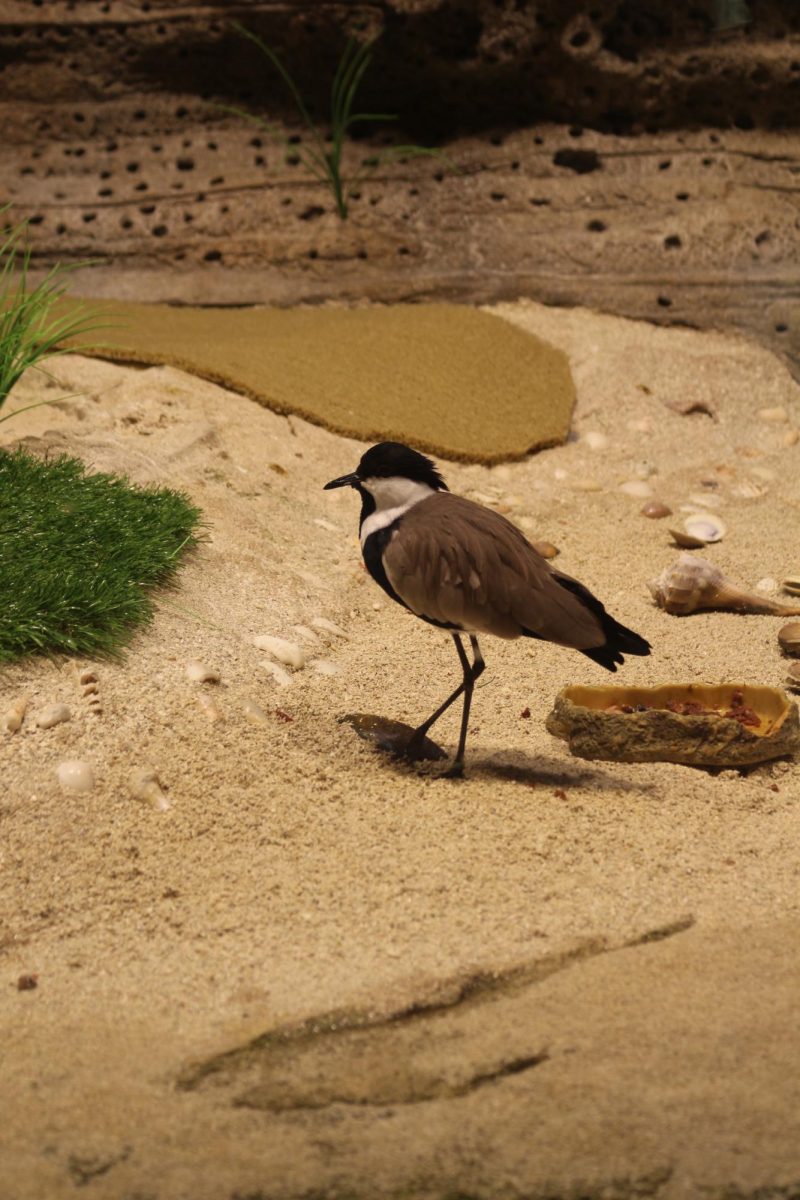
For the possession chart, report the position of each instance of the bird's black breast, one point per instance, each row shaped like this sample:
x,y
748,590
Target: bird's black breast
x,y
372,552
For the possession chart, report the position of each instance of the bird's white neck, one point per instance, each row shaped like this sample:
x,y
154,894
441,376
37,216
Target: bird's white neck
x,y
393,497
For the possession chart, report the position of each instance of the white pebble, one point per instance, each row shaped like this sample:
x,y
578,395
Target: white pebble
x,y
595,440
328,627
767,584
76,776
199,673
376,606
323,667
54,714
636,487
288,653
278,674
13,717
559,473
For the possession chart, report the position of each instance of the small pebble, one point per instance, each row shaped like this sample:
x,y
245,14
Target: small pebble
x,y
288,653
559,474
791,437
27,982
76,776
776,415
546,549
199,673
655,509
328,627
54,714
281,677
767,584
595,440
636,487
640,425
376,606
14,716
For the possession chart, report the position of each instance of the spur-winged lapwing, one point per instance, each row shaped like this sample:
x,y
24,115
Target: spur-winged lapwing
x,y
467,569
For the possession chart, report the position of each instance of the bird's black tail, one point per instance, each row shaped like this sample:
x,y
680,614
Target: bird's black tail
x,y
619,639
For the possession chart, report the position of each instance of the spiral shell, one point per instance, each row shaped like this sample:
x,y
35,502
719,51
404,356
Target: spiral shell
x,y
693,583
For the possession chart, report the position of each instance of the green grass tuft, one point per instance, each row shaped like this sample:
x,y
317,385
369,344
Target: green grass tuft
x,y
78,552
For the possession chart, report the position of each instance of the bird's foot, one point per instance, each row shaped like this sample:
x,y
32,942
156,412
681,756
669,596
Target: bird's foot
x,y
454,772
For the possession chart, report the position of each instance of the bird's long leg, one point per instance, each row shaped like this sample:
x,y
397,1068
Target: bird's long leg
x,y
475,671
471,673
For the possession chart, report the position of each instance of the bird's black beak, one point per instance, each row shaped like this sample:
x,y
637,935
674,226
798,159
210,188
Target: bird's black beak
x,y
342,481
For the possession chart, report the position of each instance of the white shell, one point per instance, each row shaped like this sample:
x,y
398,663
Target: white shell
x,y
595,440
199,673
767,584
145,785
281,677
636,487
288,653
76,776
13,717
328,627
706,527
54,714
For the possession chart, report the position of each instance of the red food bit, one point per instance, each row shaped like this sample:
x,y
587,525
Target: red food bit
x,y
525,714
283,716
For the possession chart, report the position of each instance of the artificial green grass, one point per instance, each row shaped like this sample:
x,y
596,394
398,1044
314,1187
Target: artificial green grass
x,y
78,552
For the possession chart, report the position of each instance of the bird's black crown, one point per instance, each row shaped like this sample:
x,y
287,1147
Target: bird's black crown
x,y
393,458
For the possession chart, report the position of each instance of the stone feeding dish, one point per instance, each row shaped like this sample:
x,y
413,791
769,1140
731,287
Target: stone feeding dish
x,y
698,724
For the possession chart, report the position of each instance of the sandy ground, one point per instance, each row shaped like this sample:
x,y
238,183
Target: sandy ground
x,y
319,973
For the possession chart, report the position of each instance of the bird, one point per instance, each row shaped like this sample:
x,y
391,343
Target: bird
x,y
465,568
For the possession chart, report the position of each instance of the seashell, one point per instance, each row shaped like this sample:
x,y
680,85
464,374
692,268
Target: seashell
x,y
789,638
793,676
14,716
595,440
692,583
303,631
145,784
86,677
546,549
776,415
199,673
636,487
686,540
210,707
656,510
255,713
288,653
791,584
707,527
281,677
90,690
323,667
699,724
748,489
76,776
328,627
54,714
767,584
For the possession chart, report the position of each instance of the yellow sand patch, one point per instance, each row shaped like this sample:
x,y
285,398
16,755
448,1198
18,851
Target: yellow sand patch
x,y
448,379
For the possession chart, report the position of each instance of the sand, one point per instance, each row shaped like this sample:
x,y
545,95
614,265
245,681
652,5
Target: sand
x,y
319,973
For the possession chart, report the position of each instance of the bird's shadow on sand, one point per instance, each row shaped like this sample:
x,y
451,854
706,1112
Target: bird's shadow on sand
x,y
514,766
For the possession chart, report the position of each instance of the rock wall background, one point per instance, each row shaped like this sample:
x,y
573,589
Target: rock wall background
x,y
632,155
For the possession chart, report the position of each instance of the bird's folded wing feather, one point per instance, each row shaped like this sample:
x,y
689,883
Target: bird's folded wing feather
x,y
457,563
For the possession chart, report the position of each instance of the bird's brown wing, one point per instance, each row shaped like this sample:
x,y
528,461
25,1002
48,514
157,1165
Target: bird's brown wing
x,y
457,563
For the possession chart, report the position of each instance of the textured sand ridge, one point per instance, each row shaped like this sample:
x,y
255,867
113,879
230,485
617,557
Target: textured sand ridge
x,y
318,973
449,379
